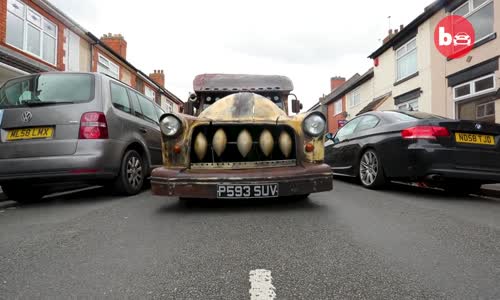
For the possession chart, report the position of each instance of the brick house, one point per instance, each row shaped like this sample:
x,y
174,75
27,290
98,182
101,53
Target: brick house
x,y
35,36
409,68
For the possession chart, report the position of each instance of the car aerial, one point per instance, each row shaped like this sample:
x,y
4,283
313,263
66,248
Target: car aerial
x,y
241,143
379,146
63,129
462,39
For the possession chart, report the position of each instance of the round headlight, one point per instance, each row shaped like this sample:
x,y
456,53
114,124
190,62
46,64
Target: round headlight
x,y
170,125
314,125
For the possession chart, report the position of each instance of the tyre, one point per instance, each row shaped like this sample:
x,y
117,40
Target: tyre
x,y
371,173
131,177
22,194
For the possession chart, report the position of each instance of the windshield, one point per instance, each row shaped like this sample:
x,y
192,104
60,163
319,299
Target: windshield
x,y
212,98
47,89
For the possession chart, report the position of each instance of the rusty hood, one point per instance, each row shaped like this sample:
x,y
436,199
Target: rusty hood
x,y
243,107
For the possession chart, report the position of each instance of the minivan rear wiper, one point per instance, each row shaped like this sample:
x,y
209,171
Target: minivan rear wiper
x,y
42,103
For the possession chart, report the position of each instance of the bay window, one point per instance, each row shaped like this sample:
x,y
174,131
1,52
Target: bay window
x,y
149,93
480,14
474,87
31,32
355,98
337,107
406,60
105,66
411,105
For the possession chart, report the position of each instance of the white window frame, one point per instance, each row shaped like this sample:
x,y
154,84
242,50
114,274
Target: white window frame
x,y
169,107
406,105
473,87
106,66
26,23
336,109
485,104
405,46
352,96
150,93
473,10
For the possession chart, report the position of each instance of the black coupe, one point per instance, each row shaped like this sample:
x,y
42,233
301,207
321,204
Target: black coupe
x,y
378,146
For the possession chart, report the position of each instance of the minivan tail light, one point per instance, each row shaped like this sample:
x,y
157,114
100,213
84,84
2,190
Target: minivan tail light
x,y
425,132
93,126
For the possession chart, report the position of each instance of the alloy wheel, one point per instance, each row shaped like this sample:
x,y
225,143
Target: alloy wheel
x,y
369,168
134,172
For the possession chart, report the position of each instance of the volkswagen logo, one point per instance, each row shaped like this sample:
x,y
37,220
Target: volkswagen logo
x,y
479,126
26,116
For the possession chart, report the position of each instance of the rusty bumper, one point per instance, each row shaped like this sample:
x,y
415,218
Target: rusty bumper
x,y
292,181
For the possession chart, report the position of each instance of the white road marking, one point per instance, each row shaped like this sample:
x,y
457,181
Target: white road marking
x,y
261,286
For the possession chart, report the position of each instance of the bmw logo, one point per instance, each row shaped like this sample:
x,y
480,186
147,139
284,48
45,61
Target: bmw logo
x,y
479,126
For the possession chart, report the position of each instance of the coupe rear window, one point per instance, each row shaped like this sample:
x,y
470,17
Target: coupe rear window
x,y
47,89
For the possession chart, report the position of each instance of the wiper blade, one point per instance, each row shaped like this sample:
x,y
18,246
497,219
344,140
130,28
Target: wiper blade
x,y
43,103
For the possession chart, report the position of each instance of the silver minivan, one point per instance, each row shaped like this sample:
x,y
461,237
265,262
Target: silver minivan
x,y
59,130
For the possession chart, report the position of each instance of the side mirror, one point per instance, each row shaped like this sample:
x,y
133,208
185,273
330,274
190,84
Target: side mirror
x,y
296,106
188,108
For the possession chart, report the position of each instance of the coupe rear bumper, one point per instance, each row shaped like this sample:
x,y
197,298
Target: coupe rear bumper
x,y
292,181
454,164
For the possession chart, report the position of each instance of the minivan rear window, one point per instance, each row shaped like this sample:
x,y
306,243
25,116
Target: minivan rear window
x,y
47,89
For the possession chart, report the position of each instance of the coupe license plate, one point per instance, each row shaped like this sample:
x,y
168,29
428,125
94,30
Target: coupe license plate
x,y
471,138
231,191
30,133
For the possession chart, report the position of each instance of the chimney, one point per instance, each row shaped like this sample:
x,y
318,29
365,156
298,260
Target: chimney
x,y
117,43
158,76
392,33
336,81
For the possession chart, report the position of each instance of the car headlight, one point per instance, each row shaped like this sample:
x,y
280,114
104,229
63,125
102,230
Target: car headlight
x,y
170,125
314,125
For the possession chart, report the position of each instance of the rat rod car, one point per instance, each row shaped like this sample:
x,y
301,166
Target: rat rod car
x,y
241,143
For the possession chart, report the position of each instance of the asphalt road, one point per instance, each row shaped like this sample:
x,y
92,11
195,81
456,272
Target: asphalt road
x,y
402,243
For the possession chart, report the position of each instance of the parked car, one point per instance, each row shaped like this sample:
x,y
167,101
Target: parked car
x,y
62,129
376,147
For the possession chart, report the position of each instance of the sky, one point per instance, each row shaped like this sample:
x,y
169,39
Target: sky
x,y
309,41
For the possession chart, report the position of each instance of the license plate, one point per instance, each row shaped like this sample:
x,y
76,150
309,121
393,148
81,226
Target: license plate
x,y
30,133
472,138
231,191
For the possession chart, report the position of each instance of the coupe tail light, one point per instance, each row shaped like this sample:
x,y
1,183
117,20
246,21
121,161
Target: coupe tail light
x,y
425,132
93,126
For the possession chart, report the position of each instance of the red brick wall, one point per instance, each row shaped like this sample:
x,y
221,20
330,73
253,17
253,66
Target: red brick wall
x,y
3,21
334,116
117,43
60,33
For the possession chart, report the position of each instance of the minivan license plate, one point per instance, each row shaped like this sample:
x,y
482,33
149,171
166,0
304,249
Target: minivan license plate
x,y
30,133
231,191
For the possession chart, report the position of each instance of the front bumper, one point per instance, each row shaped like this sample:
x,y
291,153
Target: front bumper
x,y
292,181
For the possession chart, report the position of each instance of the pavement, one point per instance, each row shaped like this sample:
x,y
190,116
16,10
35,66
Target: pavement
x,y
350,243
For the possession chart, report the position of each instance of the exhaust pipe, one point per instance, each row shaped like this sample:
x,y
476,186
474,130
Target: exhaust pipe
x,y
434,177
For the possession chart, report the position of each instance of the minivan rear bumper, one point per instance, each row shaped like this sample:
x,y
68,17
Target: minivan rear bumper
x,y
93,160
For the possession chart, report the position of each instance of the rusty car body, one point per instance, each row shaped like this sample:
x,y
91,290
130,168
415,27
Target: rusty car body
x,y
241,143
